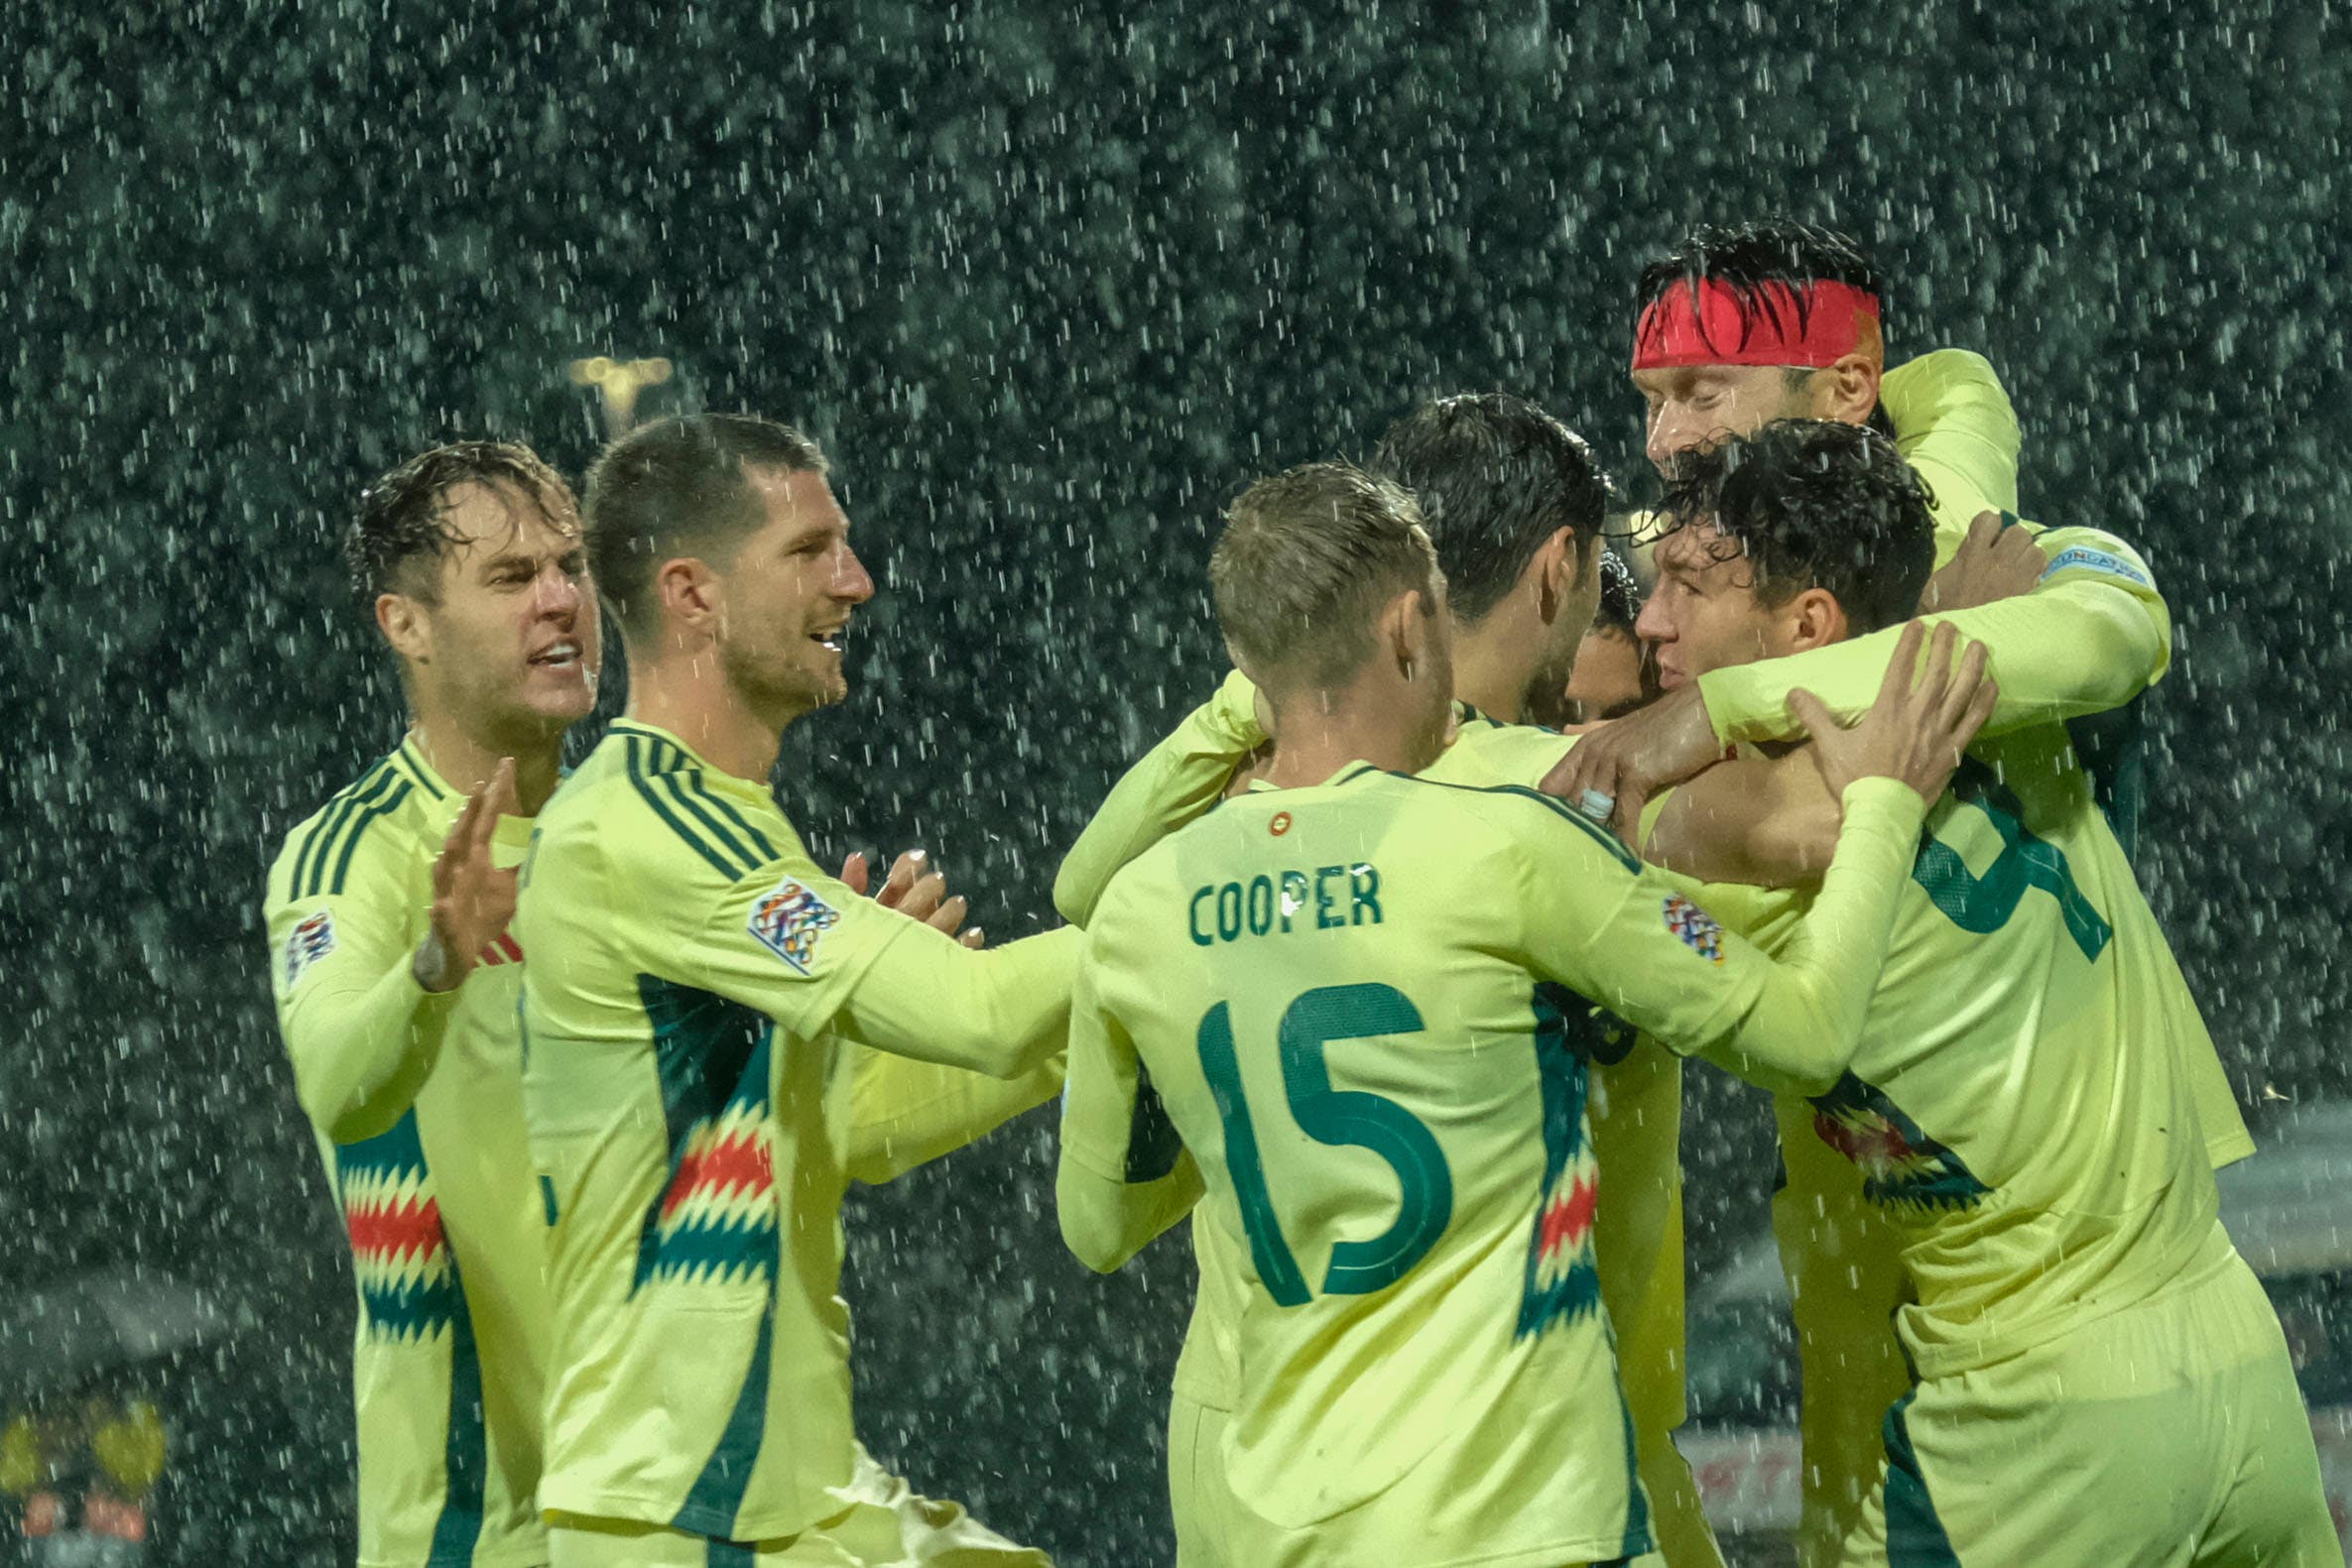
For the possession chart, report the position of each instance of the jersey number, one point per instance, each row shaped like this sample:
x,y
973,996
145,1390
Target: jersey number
x,y
1340,1117
2026,860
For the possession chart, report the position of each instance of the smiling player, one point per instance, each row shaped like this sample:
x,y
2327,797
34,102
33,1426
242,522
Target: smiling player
x,y
396,983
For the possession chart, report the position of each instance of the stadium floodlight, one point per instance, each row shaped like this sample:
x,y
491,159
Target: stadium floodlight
x,y
619,381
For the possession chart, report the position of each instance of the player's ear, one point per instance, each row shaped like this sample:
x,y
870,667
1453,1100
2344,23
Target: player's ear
x,y
1405,631
1849,389
691,595
402,622
1813,619
1555,570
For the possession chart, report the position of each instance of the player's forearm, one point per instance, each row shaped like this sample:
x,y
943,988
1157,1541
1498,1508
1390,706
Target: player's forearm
x,y
1800,1032
360,1053
2061,651
906,1113
1178,779
1000,1011
1106,1220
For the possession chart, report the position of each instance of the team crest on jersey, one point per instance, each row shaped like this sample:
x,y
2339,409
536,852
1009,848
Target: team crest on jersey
x,y
1693,928
1900,1163
790,919
309,942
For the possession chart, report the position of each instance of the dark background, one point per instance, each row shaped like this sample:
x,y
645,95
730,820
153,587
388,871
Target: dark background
x,y
1050,286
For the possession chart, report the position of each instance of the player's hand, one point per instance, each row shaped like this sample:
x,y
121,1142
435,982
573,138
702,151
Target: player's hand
x,y
916,892
472,900
1921,722
1995,562
1610,773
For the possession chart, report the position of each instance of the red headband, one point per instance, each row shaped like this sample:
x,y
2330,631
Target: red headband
x,y
1813,323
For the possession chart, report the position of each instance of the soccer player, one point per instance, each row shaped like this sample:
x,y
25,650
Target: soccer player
x,y
396,981
1351,1007
1614,672
2099,1376
1515,507
1771,320
704,1013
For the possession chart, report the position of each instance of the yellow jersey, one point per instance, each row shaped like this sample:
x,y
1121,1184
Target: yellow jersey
x,y
416,1103
715,1041
1357,1018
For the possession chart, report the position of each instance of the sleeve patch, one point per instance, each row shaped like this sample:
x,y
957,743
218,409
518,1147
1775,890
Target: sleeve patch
x,y
790,920
307,944
2099,560
1693,928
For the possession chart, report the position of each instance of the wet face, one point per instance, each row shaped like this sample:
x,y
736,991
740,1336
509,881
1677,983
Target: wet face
x,y
789,592
1704,612
1692,408
508,642
1607,683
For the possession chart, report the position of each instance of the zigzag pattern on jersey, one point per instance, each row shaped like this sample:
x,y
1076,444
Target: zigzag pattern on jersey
x,y
408,1280
716,1215
1900,1165
1562,1283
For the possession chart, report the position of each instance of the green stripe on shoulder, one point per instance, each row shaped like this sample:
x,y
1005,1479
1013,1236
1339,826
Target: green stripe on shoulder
x,y
409,760
1600,836
646,777
360,824
327,827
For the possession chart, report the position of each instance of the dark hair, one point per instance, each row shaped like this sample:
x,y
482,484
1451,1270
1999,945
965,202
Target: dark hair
x,y
402,517
1495,477
1621,597
681,486
1817,504
1747,256
1305,559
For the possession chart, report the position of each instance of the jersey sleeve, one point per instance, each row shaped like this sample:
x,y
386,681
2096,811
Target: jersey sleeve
x,y
2092,635
361,1034
1173,782
1627,939
1124,1175
906,1112
1953,422
806,950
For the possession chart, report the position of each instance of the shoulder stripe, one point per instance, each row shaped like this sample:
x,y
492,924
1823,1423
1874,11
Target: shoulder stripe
x,y
643,783
1600,836
359,827
310,863
410,760
686,795
726,808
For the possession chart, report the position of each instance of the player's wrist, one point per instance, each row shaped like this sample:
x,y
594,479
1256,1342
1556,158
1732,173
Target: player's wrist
x,y
432,968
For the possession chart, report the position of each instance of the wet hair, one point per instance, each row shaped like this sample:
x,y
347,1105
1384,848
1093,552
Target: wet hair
x,y
1746,257
1495,476
1306,560
1815,504
402,526
1620,598
682,486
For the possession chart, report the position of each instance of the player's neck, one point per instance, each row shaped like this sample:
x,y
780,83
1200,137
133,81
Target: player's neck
x,y
466,758
1315,737
693,700
1491,670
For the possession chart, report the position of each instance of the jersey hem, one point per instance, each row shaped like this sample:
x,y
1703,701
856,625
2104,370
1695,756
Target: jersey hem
x,y
533,1554
663,1514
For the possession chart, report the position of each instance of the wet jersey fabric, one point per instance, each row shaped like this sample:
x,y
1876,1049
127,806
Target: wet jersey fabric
x,y
417,1102
694,1039
1357,1018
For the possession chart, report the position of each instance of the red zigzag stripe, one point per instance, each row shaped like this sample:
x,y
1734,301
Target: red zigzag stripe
x,y
1569,1220
394,1230
739,1161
